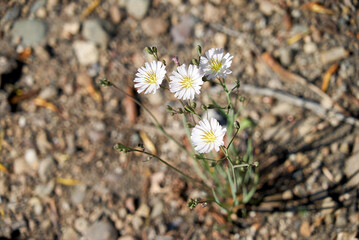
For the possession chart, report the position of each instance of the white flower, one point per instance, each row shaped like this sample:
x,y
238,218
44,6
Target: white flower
x,y
207,135
186,83
215,64
150,77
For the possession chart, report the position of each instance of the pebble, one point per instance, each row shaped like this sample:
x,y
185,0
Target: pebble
x,y
352,165
181,32
310,47
211,13
44,190
102,230
31,158
282,108
137,8
153,27
47,169
220,39
78,194
143,211
69,234
93,31
70,29
285,56
266,7
333,54
4,105
31,32
10,14
157,209
115,14
86,52
36,205
81,225
137,222
7,65
48,93
20,166
267,120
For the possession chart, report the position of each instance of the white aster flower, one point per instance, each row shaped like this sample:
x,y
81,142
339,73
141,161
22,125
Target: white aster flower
x,y
214,64
186,83
207,135
150,77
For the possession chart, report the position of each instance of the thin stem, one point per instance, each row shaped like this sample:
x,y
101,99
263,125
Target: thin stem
x,y
173,167
235,134
158,125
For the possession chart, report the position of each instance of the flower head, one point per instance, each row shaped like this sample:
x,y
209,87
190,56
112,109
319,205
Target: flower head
x,y
207,135
150,77
185,83
214,64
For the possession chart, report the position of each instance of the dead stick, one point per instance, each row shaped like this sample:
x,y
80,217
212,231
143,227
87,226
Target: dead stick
x,y
300,102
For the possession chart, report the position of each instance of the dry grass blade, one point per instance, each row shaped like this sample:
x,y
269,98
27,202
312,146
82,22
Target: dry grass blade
x,y
297,37
332,69
90,9
148,143
43,103
318,8
3,168
68,181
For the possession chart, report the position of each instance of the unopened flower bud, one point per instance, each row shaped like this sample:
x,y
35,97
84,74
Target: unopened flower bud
x,y
195,62
148,50
199,50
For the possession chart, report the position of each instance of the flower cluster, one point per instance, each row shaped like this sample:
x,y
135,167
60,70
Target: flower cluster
x,y
185,82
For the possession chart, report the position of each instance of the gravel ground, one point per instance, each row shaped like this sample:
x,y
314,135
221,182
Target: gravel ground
x,y
60,177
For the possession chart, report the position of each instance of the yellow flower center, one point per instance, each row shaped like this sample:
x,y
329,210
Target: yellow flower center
x,y
151,78
208,137
187,82
216,65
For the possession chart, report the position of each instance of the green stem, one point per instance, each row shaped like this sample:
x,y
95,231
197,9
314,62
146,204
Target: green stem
x,y
158,125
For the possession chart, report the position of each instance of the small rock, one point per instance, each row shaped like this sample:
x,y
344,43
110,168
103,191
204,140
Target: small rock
x,y
344,148
137,222
4,105
333,54
182,31
285,56
78,194
267,120
328,205
48,93
310,47
70,29
157,209
69,234
220,39
42,142
305,229
7,65
36,205
20,166
81,225
41,53
4,186
31,32
44,190
31,158
154,26
282,108
10,14
143,211
266,7
102,230
211,13
47,168
115,14
86,52
137,8
352,165
347,236
287,195
93,31
340,218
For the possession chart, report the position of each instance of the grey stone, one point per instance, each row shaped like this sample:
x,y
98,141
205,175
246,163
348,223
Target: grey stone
x,y
44,190
182,31
86,52
93,31
154,26
351,169
69,234
32,32
78,194
7,65
157,209
47,169
4,105
48,93
31,158
137,8
102,230
81,225
285,56
10,14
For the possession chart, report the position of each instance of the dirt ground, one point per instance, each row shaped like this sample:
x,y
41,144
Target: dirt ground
x,y
60,178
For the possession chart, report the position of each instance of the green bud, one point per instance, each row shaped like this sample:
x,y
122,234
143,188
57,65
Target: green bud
x,y
199,50
190,125
255,164
105,83
194,105
172,114
192,203
164,62
242,99
211,106
204,107
237,125
169,108
154,50
195,62
148,50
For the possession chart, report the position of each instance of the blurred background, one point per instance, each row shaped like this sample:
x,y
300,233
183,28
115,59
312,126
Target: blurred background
x,y
60,178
